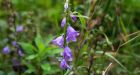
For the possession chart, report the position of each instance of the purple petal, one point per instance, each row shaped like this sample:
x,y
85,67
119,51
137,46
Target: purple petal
x,y
63,23
64,64
59,41
67,54
73,17
71,34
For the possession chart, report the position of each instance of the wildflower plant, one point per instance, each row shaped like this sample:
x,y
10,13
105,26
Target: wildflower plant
x,y
94,37
69,35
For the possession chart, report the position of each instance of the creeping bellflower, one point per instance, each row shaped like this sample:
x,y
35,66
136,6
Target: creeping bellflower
x,y
73,17
64,64
59,41
6,50
63,22
67,54
71,34
19,28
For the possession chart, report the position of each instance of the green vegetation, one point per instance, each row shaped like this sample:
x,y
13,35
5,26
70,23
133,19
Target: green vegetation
x,y
108,43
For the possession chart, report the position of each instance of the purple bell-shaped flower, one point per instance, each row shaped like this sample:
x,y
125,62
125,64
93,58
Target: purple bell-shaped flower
x,y
64,65
59,41
71,34
67,54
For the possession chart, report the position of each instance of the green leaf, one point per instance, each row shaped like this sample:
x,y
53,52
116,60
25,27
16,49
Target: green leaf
x,y
30,57
53,51
122,26
107,40
82,20
39,42
67,72
53,71
30,69
82,16
48,39
49,52
46,67
28,48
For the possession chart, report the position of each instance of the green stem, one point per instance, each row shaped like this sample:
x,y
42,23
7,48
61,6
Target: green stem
x,y
65,35
65,32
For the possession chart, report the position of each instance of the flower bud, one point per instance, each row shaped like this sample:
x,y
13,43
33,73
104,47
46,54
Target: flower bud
x,y
73,17
63,22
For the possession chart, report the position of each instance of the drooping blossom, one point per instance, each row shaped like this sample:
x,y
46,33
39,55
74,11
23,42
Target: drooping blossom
x,y
6,50
71,34
59,41
19,28
73,17
64,65
63,22
67,54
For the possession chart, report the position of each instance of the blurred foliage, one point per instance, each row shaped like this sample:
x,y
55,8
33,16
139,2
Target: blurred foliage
x,y
109,33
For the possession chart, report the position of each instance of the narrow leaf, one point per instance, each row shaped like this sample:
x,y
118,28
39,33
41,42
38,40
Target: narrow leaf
x,y
28,48
39,42
109,55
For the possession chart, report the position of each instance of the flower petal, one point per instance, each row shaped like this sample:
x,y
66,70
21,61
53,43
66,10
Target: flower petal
x,y
59,41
